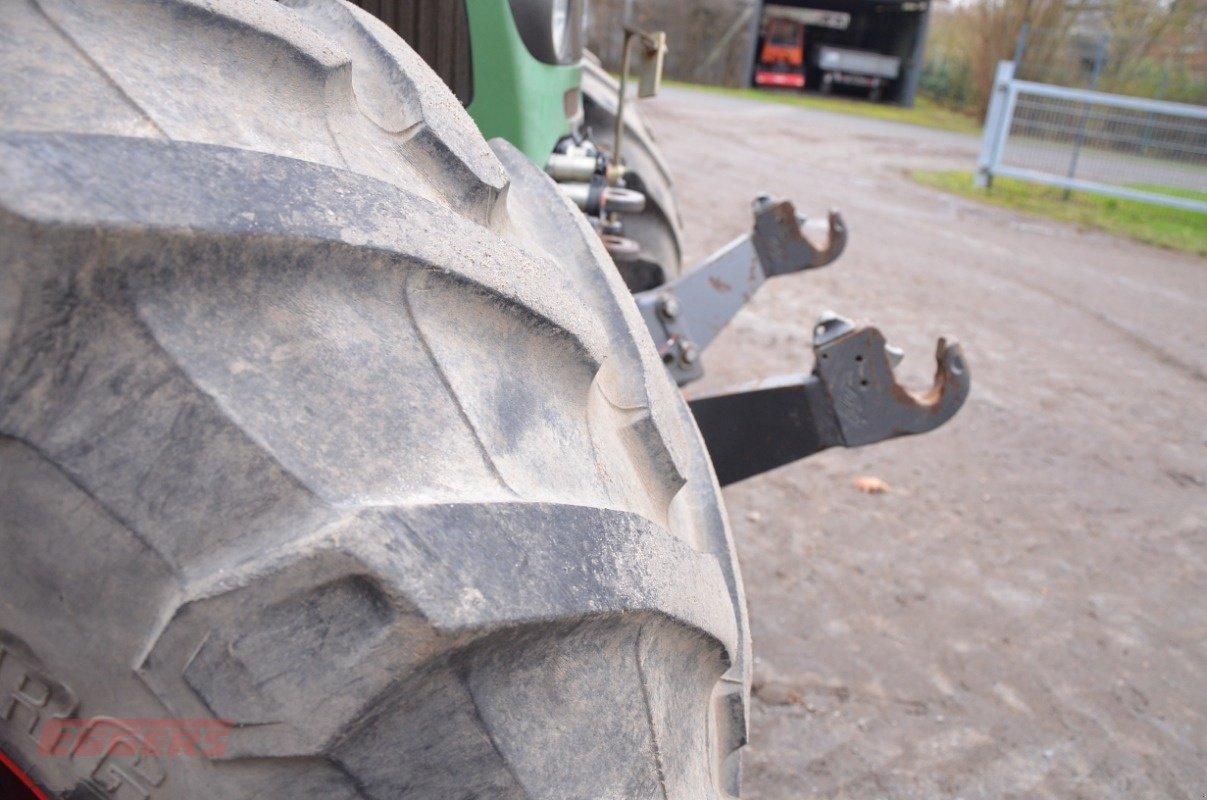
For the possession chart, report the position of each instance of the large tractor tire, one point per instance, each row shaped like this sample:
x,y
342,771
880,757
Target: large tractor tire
x,y
658,229
322,417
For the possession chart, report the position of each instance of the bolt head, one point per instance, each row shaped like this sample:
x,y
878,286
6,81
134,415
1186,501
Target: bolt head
x,y
688,353
669,307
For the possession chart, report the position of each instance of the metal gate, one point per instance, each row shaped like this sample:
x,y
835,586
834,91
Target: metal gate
x,y
1127,147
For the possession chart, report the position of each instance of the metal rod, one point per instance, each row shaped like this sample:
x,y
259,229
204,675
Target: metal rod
x,y
618,134
1020,46
1035,176
1148,125
1116,100
1099,57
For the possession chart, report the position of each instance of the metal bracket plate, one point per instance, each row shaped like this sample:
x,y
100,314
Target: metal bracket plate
x,y
686,315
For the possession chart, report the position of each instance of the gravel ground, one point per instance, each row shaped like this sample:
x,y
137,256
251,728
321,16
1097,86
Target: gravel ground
x,y
1024,612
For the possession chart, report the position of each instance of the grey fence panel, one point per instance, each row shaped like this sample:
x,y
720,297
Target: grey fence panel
x,y
1127,147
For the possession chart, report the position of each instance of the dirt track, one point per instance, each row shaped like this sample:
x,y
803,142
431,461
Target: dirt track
x,y
1024,614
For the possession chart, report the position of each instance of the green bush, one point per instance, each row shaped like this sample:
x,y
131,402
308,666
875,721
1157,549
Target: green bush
x,y
949,83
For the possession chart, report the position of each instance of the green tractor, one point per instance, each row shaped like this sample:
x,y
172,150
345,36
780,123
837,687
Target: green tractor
x,y
342,452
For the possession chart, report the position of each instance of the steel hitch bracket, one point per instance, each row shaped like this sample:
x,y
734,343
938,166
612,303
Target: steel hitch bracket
x,y
686,315
852,398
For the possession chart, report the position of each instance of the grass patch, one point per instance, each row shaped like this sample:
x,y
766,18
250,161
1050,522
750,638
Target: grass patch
x,y
925,113
1165,227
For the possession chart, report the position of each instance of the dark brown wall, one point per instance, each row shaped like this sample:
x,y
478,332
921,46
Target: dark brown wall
x,y
439,32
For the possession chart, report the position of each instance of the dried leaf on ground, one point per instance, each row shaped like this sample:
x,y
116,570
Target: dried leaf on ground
x,y
869,484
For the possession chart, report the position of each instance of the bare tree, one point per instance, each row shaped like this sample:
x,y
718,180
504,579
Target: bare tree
x,y
708,40
1150,39
992,29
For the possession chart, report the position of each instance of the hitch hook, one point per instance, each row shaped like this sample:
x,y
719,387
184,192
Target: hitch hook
x,y
852,398
781,242
854,365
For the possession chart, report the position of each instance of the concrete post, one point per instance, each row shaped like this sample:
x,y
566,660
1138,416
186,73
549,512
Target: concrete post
x,y
913,73
756,25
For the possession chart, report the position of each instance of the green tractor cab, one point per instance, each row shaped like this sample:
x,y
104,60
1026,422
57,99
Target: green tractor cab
x,y
537,68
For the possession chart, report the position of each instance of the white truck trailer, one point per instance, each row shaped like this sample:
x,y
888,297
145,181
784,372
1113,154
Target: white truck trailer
x,y
846,67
